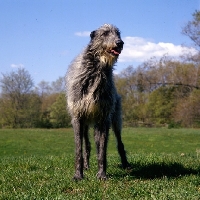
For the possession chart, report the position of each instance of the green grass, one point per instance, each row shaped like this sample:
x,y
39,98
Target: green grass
x,y
39,164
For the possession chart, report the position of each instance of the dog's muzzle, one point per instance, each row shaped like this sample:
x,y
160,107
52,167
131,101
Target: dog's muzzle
x,y
117,50
120,44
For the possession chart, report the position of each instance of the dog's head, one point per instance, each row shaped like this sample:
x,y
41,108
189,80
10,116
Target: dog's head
x,y
107,42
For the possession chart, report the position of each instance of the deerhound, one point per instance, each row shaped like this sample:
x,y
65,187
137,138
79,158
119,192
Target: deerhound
x,y
92,98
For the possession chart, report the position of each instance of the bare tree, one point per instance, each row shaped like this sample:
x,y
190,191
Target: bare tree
x,y
58,86
19,82
192,29
17,97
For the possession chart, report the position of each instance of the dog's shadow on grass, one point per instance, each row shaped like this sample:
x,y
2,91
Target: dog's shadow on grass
x,y
157,170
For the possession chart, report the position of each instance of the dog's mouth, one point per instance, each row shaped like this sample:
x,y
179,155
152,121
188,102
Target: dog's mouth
x,y
115,51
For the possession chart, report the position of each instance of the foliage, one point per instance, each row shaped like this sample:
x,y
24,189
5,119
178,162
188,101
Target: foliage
x,y
39,164
188,110
159,92
161,104
19,104
24,106
173,124
58,113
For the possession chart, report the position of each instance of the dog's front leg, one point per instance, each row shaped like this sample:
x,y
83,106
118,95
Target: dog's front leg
x,y
78,136
101,139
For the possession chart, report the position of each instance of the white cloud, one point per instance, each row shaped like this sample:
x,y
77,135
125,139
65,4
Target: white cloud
x,y
83,34
139,49
17,65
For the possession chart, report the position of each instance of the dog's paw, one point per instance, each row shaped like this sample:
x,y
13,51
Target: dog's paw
x,y
77,177
101,176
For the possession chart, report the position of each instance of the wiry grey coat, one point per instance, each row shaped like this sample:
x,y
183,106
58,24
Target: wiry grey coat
x,y
92,98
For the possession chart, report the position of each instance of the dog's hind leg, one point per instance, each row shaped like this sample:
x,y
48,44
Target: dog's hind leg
x,y
120,147
87,148
117,126
78,135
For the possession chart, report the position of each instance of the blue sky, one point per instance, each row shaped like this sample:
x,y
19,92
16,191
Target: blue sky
x,y
44,36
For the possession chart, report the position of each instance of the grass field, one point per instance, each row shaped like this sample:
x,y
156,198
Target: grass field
x,y
39,164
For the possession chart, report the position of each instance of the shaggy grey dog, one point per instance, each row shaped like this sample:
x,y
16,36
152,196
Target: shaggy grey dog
x,y
92,98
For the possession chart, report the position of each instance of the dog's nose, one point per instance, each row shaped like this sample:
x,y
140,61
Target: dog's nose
x,y
119,43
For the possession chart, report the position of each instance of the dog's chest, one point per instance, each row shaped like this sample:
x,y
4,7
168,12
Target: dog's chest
x,y
99,100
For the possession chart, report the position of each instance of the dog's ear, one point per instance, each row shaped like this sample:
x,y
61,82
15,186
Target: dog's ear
x,y
92,34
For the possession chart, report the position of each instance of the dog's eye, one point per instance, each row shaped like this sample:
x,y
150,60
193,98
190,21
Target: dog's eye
x,y
117,32
106,33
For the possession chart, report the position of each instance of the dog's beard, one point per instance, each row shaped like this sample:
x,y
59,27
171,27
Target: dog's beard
x,y
108,59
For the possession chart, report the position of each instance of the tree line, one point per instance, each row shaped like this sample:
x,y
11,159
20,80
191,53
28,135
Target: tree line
x,y
161,92
24,105
158,92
